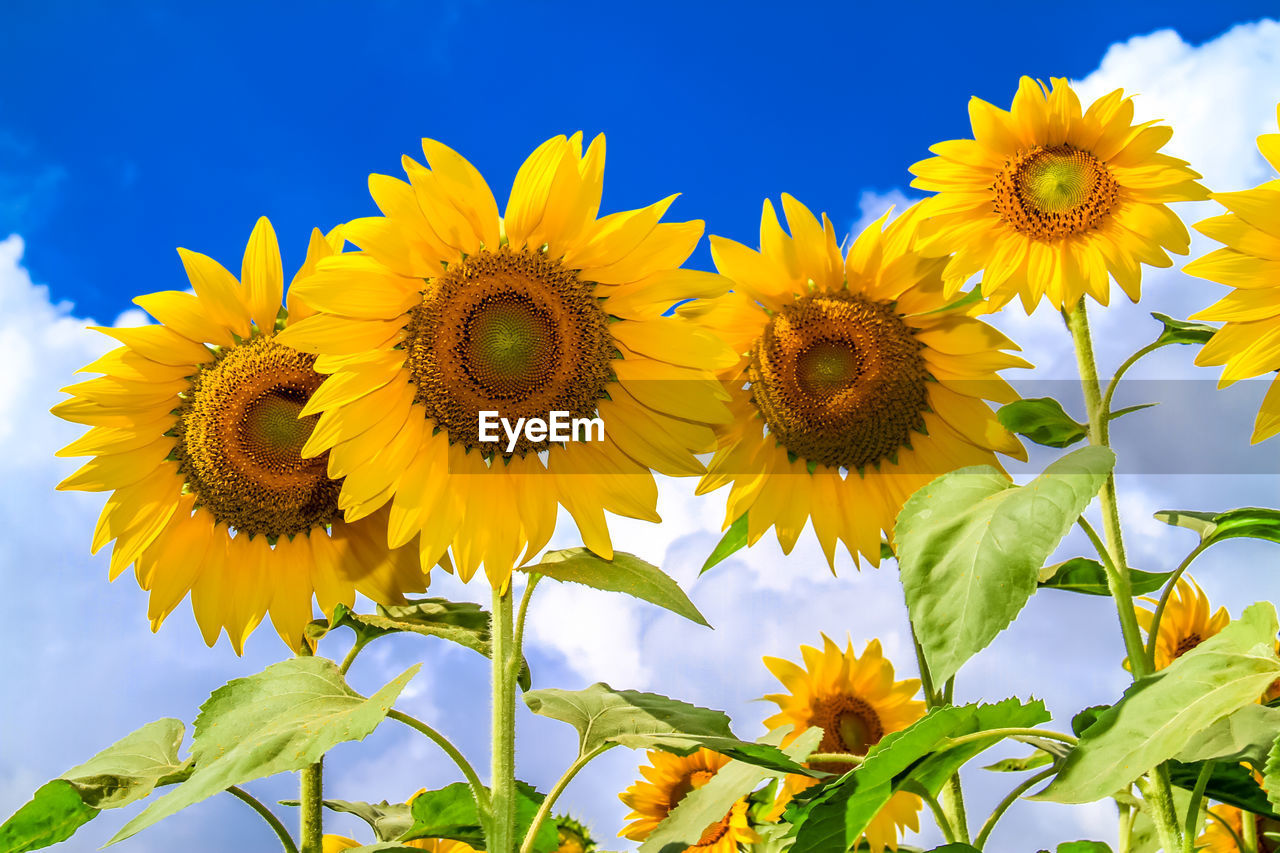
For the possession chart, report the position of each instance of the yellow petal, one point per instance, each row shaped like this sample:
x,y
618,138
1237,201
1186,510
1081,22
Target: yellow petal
x,y
263,275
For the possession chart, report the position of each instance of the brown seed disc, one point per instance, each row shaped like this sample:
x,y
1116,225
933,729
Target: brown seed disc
x,y
240,441
1048,193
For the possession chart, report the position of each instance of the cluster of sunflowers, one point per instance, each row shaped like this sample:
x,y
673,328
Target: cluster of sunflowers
x,y
267,452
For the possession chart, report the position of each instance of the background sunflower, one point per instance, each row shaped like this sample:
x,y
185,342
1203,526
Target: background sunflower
x,y
667,779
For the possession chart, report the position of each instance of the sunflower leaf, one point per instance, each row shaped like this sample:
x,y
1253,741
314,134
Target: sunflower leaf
x,y
625,573
1083,847
388,821
1182,331
1160,714
1043,420
1246,735
1271,775
734,539
971,545
451,813
121,774
759,754
704,806
1228,783
1082,575
917,756
1039,758
1247,522
602,715
281,719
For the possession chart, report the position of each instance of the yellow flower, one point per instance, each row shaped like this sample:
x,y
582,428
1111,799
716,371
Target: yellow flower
x,y
1219,839
863,382
195,431
339,843
1046,200
451,311
856,702
1249,344
1185,623
669,778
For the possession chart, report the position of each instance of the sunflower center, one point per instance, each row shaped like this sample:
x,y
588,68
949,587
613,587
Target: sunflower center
x,y
839,380
511,332
240,441
1187,643
849,724
1051,192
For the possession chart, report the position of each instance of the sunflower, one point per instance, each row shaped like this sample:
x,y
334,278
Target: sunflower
x,y
1047,200
196,432
339,843
574,836
862,381
1224,830
1249,344
856,702
451,311
1185,623
669,778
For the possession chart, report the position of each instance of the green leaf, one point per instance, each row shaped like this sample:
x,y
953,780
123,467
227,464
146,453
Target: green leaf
x,y
121,774
1271,775
1128,410
388,821
602,714
281,719
834,818
1086,576
704,806
1039,758
1248,522
1160,714
1182,331
971,544
759,754
451,813
1245,735
955,847
1081,721
1084,847
734,539
1228,783
625,573
1043,420
54,813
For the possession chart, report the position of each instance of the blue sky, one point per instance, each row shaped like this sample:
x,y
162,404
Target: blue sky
x,y
128,130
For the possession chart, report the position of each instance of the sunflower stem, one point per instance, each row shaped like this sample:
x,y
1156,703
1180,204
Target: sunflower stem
x,y
311,800
1012,797
1154,634
544,810
506,659
1193,808
286,840
1158,792
1248,832
950,812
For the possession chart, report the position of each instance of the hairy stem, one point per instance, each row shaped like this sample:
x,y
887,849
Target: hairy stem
x,y
1193,809
544,810
1012,797
311,801
506,659
473,779
950,806
1165,594
254,803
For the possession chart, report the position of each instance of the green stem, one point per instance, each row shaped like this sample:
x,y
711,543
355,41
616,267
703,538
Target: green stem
x,y
506,659
312,806
990,823
524,608
473,779
1249,832
1154,633
998,734
939,816
835,758
1193,808
356,648
545,808
926,677
1163,815
1124,832
951,800
1115,383
274,822
1129,628
1235,836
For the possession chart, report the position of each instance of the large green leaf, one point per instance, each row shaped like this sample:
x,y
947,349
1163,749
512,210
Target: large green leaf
x,y
1229,783
833,819
734,540
1248,522
1271,774
1086,576
388,821
970,547
1245,735
760,754
1084,847
451,813
1042,420
602,714
625,573
54,813
704,806
281,719
1160,714
1182,331
121,774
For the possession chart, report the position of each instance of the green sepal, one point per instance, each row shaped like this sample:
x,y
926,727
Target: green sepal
x,y
1042,420
1182,331
1085,576
734,540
